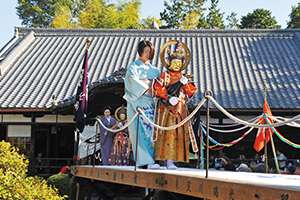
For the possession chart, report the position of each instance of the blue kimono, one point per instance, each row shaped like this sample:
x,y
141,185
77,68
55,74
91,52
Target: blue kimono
x,y
136,86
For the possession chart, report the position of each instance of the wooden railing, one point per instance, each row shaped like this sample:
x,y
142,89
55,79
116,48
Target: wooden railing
x,y
50,166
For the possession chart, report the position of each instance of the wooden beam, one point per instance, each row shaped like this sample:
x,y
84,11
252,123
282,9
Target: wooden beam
x,y
192,185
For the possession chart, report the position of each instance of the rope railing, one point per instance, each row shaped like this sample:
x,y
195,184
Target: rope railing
x,y
229,131
247,123
120,129
174,126
282,119
230,125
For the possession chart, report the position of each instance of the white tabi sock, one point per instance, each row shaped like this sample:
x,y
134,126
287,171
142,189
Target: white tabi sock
x,y
170,165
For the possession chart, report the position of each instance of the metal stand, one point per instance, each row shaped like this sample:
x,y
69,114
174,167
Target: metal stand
x,y
76,142
207,131
137,138
95,145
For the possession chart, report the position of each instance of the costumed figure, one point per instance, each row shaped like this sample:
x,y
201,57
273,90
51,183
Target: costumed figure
x,y
138,82
173,89
106,137
120,150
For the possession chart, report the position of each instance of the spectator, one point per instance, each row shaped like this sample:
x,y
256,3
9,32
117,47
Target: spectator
x,y
242,159
224,155
212,161
290,169
257,158
297,164
65,170
252,165
229,167
260,168
243,168
281,159
39,164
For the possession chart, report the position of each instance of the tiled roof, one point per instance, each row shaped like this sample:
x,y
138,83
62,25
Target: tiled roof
x,y
234,64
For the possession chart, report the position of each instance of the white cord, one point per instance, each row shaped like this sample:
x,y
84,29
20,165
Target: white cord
x,y
177,125
247,123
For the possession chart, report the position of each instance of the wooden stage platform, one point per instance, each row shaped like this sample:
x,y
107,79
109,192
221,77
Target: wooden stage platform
x,y
192,182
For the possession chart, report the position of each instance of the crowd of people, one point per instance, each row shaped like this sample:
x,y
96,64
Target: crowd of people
x,y
256,164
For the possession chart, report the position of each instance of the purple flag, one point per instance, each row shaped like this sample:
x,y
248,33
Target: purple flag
x,y
80,106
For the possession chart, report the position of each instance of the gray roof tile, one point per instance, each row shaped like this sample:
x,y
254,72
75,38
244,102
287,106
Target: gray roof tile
x,y
234,64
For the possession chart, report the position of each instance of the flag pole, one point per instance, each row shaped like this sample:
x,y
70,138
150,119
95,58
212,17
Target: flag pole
x,y
80,106
266,148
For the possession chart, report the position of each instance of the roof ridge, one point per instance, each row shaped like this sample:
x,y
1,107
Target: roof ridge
x,y
55,31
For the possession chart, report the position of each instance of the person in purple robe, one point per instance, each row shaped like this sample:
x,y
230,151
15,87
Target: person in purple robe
x,y
106,137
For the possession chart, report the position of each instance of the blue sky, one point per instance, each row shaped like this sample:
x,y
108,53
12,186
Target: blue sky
x,y
280,9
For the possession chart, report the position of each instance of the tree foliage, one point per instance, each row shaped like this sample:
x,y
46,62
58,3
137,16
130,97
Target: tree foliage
x,y
214,18
173,14
80,14
14,184
183,14
259,19
191,21
233,21
36,13
62,182
294,17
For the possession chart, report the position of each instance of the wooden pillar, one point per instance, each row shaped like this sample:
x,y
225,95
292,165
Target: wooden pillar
x,y
48,151
73,191
32,162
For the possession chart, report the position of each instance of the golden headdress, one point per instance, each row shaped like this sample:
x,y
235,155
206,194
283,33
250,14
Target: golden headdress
x,y
121,110
181,52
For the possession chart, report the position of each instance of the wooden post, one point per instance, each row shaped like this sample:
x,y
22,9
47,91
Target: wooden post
x,y
207,132
266,152
32,147
137,141
266,148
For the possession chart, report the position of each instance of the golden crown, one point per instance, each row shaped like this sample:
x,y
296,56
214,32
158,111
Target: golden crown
x,y
181,52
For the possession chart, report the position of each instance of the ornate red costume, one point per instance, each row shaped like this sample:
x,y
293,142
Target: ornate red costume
x,y
172,85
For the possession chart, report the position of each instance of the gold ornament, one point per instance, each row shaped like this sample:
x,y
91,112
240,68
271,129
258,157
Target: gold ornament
x,y
182,52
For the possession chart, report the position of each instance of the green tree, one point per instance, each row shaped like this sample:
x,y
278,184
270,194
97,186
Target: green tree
x,y
173,14
259,19
64,18
14,184
194,8
202,22
191,21
99,14
233,21
294,17
214,18
180,12
36,13
79,13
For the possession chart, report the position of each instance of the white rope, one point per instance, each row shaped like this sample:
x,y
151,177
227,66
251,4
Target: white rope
x,y
177,125
228,131
86,137
247,123
230,125
281,119
117,130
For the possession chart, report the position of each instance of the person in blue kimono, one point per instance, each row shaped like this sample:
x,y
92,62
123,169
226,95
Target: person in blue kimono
x,y
106,138
138,85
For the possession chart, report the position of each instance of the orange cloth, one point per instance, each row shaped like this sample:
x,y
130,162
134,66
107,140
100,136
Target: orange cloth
x,y
161,89
172,144
260,137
